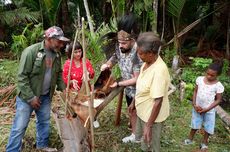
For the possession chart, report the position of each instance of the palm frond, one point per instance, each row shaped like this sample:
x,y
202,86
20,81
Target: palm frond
x,y
175,7
16,16
52,9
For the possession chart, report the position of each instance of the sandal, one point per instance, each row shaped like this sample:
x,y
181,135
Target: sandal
x,y
203,146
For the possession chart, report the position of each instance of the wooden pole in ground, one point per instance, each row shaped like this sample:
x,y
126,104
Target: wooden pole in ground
x,y
86,82
69,71
119,106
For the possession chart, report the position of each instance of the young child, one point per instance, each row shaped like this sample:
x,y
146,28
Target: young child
x,y
207,95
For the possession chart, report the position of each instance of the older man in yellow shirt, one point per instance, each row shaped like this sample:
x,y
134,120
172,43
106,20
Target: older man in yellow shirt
x,y
151,98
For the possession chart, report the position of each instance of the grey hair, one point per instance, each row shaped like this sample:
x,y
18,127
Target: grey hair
x,y
149,42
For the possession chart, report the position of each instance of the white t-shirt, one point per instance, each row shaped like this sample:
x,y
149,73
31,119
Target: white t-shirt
x,y
206,93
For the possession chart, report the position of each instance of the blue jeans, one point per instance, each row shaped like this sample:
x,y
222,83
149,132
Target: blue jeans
x,y
21,120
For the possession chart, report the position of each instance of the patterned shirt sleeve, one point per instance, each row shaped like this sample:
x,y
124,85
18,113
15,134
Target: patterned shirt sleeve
x,y
220,88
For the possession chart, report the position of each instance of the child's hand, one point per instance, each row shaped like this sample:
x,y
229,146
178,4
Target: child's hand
x,y
203,110
198,108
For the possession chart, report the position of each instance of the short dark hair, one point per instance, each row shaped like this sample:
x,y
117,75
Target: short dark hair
x,y
149,42
69,48
216,66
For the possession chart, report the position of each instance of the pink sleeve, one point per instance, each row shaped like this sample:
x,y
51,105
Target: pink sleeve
x,y
65,71
90,69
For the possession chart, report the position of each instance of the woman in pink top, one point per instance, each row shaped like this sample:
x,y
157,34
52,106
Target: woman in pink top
x,y
76,74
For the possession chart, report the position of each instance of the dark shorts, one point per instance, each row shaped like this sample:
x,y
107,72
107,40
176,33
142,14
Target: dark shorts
x,y
129,100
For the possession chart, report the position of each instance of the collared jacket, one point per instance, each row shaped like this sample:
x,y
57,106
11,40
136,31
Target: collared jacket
x,y
32,70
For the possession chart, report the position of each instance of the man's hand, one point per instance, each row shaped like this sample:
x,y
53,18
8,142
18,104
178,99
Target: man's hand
x,y
147,134
35,103
104,66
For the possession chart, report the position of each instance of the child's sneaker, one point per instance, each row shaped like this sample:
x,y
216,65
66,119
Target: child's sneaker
x,y
130,138
203,146
188,142
96,124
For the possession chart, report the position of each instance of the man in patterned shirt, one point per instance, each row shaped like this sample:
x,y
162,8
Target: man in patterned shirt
x,y
129,63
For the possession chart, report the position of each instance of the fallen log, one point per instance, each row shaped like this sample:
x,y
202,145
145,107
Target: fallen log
x,y
225,117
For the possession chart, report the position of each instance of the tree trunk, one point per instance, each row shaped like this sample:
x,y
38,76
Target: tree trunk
x,y
65,17
89,17
228,35
155,10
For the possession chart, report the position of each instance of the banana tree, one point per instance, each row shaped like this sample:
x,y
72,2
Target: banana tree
x,y
175,7
51,9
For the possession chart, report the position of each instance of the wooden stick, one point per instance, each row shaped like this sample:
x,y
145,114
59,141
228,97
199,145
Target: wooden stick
x,y
86,82
108,99
69,70
119,106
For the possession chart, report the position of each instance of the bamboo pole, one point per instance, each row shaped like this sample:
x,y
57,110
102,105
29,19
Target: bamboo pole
x,y
69,70
85,79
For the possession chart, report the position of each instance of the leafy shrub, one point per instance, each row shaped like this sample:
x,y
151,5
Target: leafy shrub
x,y
30,35
94,49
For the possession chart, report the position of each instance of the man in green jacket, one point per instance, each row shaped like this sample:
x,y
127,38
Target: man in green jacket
x,y
39,74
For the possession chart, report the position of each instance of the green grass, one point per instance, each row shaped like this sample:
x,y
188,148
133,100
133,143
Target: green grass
x,y
108,137
8,72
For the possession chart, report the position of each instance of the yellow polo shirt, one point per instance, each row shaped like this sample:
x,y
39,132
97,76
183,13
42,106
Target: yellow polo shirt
x,y
152,83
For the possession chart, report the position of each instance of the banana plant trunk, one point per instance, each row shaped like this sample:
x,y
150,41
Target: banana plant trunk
x,y
89,17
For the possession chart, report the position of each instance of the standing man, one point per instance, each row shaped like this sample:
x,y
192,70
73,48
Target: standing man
x,y
129,63
151,100
39,73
